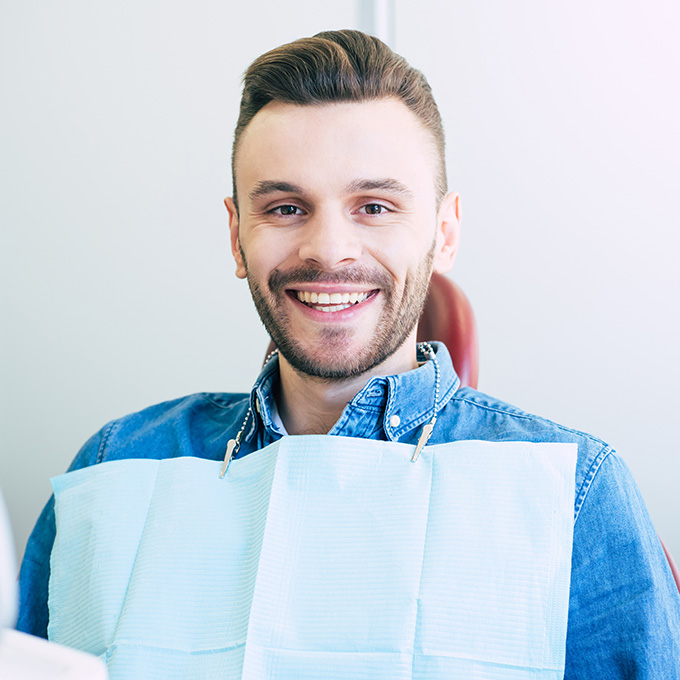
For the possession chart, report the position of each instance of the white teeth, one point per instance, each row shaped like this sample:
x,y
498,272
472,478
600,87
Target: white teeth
x,y
333,308
330,302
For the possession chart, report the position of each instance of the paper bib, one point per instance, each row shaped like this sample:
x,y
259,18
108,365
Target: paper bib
x,y
320,557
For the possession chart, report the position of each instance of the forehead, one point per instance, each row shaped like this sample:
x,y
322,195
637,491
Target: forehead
x,y
317,146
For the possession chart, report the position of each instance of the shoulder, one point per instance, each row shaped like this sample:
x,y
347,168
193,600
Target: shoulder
x,y
491,412
195,425
474,415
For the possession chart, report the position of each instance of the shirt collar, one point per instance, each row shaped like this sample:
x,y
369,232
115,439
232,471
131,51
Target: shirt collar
x,y
406,399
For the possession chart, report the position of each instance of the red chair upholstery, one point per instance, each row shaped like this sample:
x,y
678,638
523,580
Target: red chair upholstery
x,y
673,566
448,317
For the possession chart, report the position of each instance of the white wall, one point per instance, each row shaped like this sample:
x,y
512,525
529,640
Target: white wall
x,y
563,140
118,282
118,289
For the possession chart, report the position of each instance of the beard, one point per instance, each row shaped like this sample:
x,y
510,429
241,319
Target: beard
x,y
329,360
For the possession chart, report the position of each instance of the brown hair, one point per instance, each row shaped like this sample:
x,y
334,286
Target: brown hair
x,y
337,66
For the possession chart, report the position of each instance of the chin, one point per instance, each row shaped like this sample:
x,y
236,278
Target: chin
x,y
338,359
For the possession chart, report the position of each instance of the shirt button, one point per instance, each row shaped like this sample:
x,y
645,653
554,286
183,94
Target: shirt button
x,y
395,420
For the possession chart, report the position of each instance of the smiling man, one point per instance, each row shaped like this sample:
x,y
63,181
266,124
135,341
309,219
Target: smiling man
x,y
337,231
359,513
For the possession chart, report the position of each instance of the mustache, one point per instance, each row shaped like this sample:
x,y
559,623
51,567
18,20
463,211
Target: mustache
x,y
364,276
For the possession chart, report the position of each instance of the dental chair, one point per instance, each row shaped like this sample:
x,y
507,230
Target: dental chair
x,y
448,317
671,563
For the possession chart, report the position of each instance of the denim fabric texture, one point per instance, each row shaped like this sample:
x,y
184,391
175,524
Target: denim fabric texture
x,y
624,612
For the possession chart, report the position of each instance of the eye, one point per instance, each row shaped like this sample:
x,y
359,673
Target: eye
x,y
286,210
374,209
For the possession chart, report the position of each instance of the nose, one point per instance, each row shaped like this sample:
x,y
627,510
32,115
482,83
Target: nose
x,y
330,241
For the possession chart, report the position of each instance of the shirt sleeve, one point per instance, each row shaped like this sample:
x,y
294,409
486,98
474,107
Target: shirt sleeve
x,y
624,608
34,576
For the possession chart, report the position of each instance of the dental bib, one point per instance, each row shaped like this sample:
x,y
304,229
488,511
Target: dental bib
x,y
320,557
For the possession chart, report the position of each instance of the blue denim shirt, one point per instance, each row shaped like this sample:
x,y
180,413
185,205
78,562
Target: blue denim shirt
x,y
624,611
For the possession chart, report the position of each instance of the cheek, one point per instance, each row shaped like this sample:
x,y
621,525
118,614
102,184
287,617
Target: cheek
x,y
265,252
402,256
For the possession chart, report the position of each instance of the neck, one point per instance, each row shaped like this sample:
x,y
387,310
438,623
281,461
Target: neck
x,y
309,405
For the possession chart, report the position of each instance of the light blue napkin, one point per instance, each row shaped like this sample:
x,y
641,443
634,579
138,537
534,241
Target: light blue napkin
x,y
320,557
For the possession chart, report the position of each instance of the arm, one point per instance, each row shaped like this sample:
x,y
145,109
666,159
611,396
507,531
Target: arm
x,y
34,576
624,608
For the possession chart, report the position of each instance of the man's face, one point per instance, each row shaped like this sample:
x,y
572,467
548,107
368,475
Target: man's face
x,y
339,231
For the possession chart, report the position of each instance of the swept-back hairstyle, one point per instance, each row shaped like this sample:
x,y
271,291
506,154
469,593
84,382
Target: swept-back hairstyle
x,y
339,66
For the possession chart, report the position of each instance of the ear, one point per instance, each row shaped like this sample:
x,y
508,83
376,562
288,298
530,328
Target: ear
x,y
234,237
448,233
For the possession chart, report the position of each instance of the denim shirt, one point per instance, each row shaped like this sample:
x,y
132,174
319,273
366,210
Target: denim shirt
x,y
624,607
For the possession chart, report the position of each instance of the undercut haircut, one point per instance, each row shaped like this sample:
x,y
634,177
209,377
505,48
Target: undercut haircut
x,y
339,66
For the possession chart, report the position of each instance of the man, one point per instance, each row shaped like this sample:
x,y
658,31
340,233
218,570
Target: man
x,y
339,216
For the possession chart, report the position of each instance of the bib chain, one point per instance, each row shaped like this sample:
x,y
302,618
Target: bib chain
x,y
233,445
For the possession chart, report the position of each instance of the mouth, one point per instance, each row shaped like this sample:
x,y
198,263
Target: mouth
x,y
324,301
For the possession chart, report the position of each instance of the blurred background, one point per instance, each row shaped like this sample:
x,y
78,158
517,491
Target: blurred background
x,y
117,282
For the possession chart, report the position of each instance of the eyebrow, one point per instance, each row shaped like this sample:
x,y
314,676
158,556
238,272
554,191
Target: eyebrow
x,y
265,187
388,184
393,186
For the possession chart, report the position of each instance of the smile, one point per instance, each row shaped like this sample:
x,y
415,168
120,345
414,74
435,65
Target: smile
x,y
330,302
